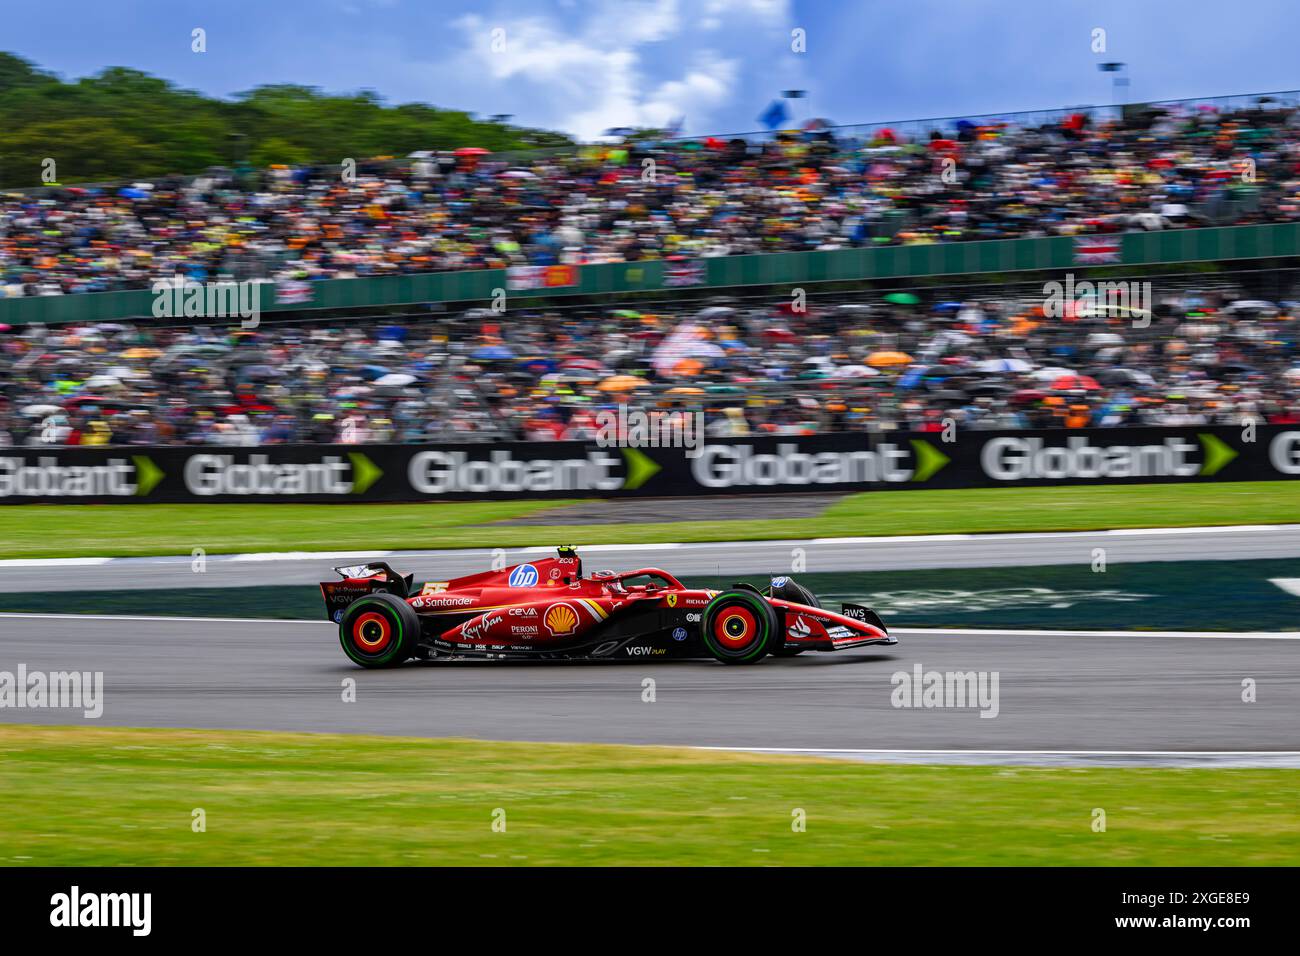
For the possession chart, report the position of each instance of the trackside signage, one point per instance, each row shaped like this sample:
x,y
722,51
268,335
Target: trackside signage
x,y
750,465
257,475
512,471
728,466
64,474
1015,459
1284,453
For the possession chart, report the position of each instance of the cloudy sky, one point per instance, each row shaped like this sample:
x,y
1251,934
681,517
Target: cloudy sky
x,y
585,65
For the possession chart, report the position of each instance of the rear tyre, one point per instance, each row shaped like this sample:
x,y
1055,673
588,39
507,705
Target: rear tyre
x,y
379,630
739,627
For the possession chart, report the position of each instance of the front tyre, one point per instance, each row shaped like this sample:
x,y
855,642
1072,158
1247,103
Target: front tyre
x,y
378,630
739,627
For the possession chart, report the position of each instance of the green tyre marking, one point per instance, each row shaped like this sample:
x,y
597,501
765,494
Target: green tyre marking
x,y
398,645
760,645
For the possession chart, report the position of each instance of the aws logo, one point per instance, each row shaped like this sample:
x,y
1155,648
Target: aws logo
x,y
561,620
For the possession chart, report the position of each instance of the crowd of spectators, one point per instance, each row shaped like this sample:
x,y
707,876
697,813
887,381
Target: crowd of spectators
x,y
871,363
814,189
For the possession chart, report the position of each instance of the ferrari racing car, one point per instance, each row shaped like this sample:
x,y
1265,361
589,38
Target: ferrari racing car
x,y
548,609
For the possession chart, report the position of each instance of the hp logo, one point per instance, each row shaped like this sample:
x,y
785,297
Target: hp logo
x,y
524,576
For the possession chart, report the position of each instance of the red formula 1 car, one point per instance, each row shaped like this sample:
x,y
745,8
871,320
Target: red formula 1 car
x,y
549,610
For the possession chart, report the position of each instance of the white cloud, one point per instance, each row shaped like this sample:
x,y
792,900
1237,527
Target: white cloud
x,y
618,63
707,85
771,11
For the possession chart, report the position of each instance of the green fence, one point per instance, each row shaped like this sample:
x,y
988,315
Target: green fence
x,y
890,262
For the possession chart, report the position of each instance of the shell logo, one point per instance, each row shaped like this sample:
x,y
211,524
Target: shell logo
x,y
561,620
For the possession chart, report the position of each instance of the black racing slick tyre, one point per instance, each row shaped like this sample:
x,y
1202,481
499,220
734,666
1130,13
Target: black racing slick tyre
x,y
739,627
379,630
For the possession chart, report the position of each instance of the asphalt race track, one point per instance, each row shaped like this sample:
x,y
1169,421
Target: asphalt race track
x,y
1139,694
745,557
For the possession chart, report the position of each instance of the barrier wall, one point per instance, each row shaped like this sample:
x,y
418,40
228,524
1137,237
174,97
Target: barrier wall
x,y
841,462
1227,243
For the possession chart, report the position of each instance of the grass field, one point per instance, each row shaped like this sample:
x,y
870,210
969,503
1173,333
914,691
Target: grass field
x,y
31,531
126,797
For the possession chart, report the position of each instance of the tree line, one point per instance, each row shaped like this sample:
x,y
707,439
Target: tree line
x,y
124,124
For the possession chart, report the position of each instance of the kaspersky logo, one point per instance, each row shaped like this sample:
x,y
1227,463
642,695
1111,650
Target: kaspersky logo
x,y
731,466
1020,459
456,472
48,478
208,475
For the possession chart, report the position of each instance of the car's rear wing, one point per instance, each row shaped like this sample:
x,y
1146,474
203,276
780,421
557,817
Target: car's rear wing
x,y
359,580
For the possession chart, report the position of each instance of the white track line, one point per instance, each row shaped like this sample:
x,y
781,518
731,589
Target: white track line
x,y
911,631
1038,535
141,617
1012,753
296,556
668,546
986,632
1221,759
55,562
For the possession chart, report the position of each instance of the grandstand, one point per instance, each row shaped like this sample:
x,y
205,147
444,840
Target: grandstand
x,y
608,271
1072,172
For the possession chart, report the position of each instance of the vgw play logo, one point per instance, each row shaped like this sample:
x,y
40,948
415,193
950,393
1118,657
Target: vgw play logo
x,y
1027,459
49,477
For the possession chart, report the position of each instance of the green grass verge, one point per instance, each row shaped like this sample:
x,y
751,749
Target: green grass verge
x,y
125,530
125,797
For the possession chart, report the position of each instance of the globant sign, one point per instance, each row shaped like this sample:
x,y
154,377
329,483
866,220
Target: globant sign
x,y
452,472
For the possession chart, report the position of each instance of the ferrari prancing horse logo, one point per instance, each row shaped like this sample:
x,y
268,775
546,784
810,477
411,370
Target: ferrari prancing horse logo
x,y
672,600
